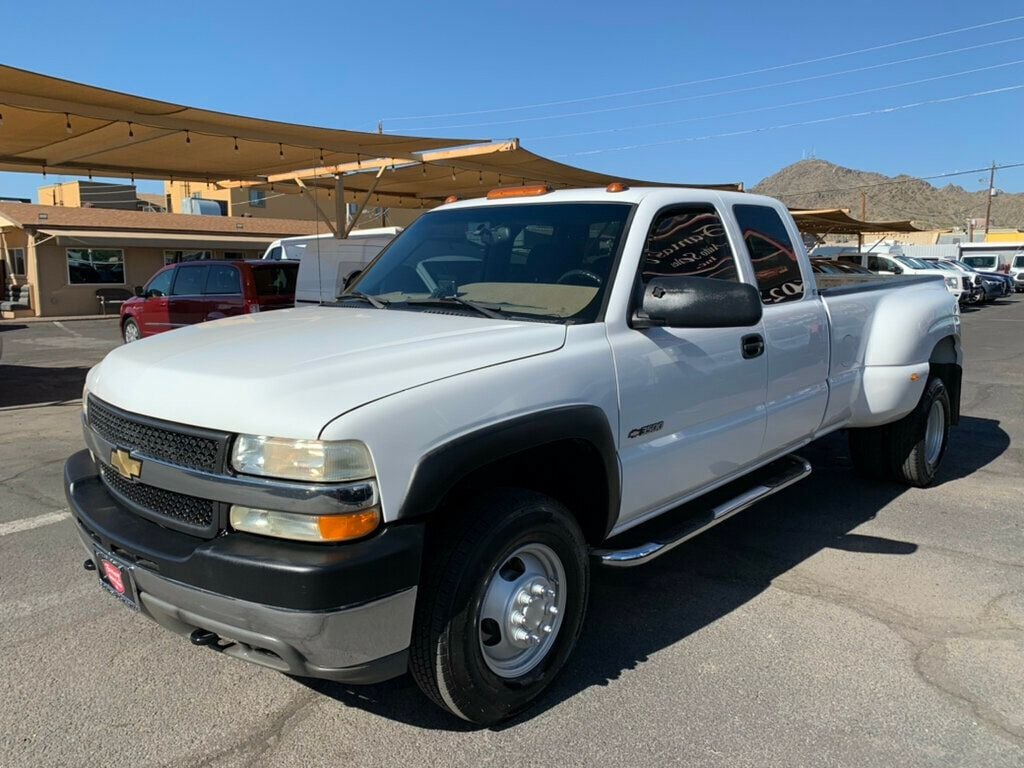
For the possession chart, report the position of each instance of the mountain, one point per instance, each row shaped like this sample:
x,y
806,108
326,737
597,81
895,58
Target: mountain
x,y
820,184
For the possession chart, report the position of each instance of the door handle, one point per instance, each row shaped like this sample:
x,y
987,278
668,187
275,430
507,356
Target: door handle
x,y
752,345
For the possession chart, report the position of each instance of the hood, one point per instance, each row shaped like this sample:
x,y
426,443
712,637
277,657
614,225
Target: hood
x,y
288,373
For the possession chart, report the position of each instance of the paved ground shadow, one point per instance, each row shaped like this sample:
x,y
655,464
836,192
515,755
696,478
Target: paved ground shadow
x,y
636,612
27,385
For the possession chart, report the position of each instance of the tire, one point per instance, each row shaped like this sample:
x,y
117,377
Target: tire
x,y
458,652
908,451
130,331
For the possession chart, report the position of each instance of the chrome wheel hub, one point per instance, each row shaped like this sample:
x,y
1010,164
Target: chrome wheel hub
x,y
935,430
131,333
522,609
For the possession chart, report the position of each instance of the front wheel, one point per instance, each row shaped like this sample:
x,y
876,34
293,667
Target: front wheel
x,y
910,450
130,331
502,605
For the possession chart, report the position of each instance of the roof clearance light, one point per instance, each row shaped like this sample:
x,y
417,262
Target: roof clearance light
x,y
451,199
529,191
616,186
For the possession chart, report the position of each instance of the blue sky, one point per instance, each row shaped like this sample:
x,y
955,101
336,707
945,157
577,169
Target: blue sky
x,y
333,64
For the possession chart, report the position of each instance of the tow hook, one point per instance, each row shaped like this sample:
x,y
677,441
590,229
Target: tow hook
x,y
205,637
89,565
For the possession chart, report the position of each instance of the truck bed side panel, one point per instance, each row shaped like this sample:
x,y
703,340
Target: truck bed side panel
x,y
882,339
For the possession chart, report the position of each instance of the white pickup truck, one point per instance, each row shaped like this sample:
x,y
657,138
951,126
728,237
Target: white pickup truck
x,y
421,475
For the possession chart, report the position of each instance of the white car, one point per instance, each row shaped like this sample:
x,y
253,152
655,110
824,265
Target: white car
x,y
896,264
421,475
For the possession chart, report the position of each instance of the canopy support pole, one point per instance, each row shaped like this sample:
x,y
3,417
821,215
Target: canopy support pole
x,y
366,199
340,207
316,204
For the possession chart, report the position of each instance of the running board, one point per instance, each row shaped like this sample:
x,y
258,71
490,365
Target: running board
x,y
780,474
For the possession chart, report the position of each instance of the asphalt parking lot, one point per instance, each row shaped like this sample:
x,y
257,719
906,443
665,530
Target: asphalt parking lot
x,y
839,623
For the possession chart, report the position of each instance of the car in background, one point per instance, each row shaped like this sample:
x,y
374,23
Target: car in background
x,y
997,265
1017,272
193,292
893,264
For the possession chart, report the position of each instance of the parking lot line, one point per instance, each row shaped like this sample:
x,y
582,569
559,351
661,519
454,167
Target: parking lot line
x,y
28,523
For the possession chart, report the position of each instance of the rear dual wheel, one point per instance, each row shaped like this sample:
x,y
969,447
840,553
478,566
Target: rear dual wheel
x,y
910,450
502,605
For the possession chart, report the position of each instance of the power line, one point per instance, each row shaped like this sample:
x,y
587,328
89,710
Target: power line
x,y
890,182
717,78
729,92
787,105
832,118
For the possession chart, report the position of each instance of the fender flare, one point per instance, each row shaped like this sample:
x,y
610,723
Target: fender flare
x,y
442,468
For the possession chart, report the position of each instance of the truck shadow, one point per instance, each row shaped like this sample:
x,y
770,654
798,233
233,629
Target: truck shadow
x,y
635,613
25,385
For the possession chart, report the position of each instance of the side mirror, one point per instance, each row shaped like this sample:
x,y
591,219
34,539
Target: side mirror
x,y
137,290
698,302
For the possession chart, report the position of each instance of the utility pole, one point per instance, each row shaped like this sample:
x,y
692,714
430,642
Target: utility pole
x,y
991,189
863,206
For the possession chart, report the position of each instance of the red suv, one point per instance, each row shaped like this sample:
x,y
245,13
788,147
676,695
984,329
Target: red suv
x,y
197,291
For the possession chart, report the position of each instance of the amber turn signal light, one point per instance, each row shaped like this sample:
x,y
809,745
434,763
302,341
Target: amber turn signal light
x,y
616,186
529,191
451,199
353,525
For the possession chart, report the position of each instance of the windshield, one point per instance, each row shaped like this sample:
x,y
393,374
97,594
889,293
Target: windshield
x,y
906,261
1018,261
980,262
549,261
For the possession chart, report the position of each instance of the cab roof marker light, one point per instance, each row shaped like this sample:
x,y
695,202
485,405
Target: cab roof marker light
x,y
533,190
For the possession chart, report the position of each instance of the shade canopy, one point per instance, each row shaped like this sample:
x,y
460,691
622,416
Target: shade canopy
x,y
464,172
837,221
57,126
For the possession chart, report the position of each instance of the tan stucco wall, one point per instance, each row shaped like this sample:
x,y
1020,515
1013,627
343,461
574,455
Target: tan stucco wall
x,y
13,238
48,273
61,194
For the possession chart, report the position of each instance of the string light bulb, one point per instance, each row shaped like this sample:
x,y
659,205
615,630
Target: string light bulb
x,y
453,174
67,122
236,143
1,118
280,149
321,156
188,137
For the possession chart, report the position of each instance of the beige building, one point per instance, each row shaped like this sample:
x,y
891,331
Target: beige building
x,y
55,259
99,194
282,202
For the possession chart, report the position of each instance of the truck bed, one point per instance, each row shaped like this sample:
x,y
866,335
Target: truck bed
x,y
838,285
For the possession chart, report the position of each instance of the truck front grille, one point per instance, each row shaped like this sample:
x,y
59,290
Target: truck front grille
x,y
174,444
189,512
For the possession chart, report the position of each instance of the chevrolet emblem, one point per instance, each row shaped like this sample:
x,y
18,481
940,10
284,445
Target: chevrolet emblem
x,y
126,466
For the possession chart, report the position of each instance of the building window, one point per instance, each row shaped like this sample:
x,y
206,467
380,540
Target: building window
x,y
173,257
257,198
95,266
17,260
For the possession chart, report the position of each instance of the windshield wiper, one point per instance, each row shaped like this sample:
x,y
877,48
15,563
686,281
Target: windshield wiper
x,y
371,300
494,313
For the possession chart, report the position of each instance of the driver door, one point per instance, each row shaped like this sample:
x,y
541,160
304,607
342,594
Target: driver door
x,y
691,400
154,315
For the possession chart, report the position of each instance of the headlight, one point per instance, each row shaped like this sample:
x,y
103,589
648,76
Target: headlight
x,y
952,282
321,528
317,461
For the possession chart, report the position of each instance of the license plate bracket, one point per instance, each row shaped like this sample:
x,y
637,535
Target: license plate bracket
x,y
116,578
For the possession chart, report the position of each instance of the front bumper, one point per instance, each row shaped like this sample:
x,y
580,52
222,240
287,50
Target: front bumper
x,y
342,612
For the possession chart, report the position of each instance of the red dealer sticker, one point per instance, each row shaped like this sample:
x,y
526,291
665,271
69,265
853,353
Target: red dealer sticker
x,y
113,574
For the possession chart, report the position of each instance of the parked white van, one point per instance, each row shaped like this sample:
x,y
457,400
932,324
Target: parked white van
x,y
325,260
